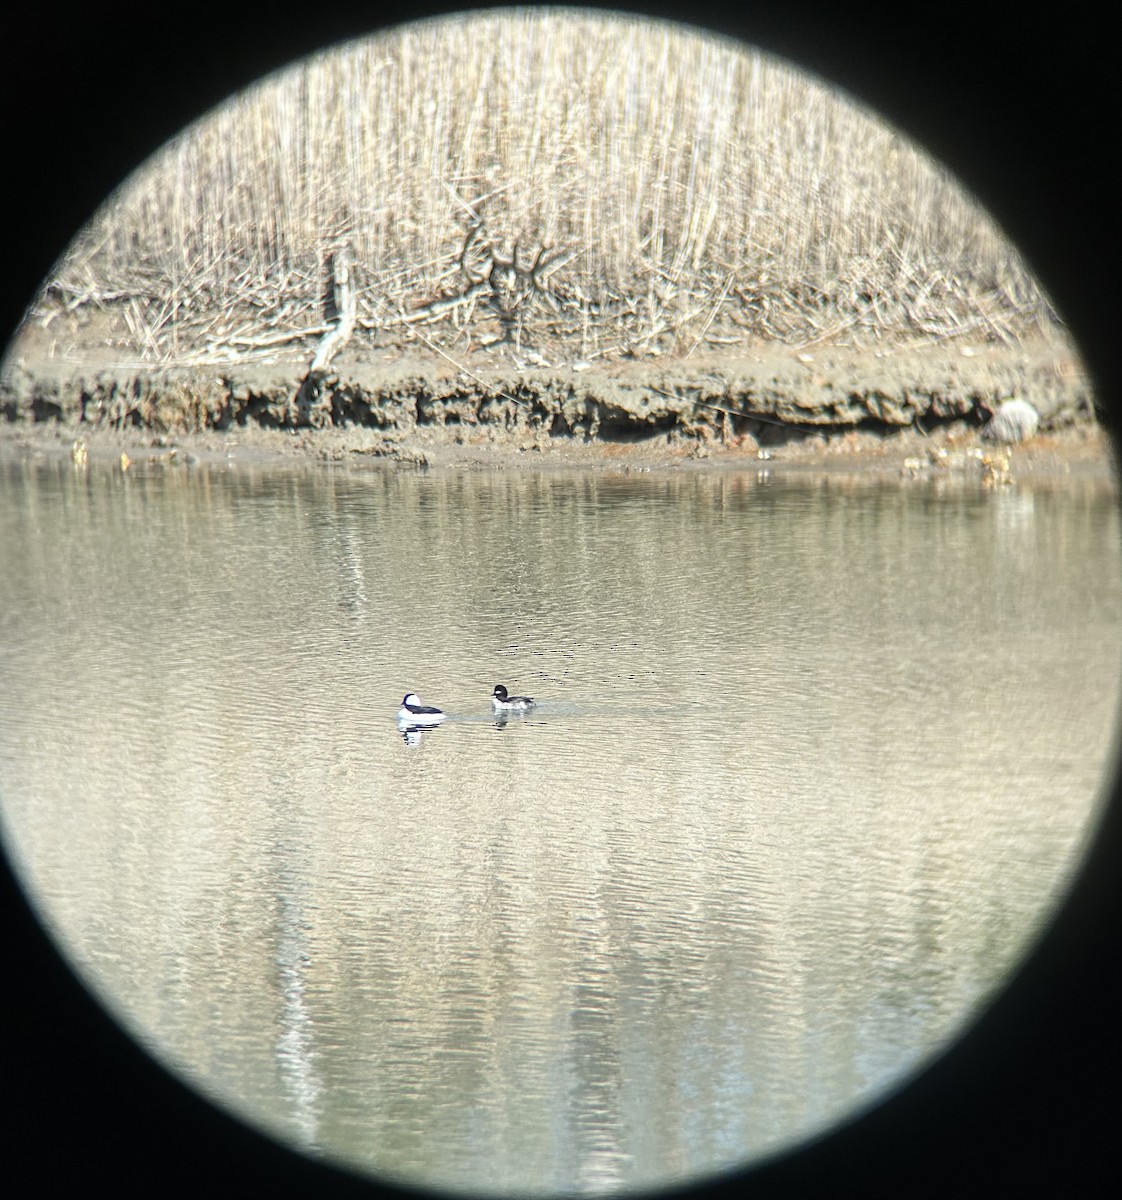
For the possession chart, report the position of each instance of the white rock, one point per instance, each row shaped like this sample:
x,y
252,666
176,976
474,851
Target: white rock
x,y
1014,421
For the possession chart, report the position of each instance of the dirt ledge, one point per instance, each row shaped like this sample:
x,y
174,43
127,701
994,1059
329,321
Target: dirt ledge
x,y
1078,451
899,411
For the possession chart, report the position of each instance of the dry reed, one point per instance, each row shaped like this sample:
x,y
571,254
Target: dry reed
x,y
706,195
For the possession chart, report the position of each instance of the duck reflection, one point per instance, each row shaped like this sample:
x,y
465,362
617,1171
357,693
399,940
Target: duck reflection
x,y
411,734
503,719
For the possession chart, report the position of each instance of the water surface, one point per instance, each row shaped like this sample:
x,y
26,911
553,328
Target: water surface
x,y
812,762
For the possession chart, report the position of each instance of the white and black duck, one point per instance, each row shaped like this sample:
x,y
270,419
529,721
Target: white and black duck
x,y
413,712
503,702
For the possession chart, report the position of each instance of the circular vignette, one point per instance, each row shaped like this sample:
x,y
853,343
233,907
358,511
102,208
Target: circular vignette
x,y
1022,116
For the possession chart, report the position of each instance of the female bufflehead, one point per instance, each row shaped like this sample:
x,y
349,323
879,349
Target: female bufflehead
x,y
501,702
413,712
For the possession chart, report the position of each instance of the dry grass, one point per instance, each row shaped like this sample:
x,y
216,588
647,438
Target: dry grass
x,y
707,196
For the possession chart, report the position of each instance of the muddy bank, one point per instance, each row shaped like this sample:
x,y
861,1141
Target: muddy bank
x,y
948,454
836,406
771,396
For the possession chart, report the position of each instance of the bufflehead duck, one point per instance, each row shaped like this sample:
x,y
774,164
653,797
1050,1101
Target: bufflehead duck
x,y
413,712
502,702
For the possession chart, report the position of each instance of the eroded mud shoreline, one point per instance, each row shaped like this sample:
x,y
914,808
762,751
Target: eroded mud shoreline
x,y
1079,451
904,412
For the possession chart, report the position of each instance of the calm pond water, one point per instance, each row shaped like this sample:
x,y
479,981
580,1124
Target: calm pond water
x,y
812,763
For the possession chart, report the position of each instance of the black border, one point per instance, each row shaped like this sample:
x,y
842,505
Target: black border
x,y
1021,105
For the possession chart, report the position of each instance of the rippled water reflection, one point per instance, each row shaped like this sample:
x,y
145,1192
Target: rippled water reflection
x,y
812,762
